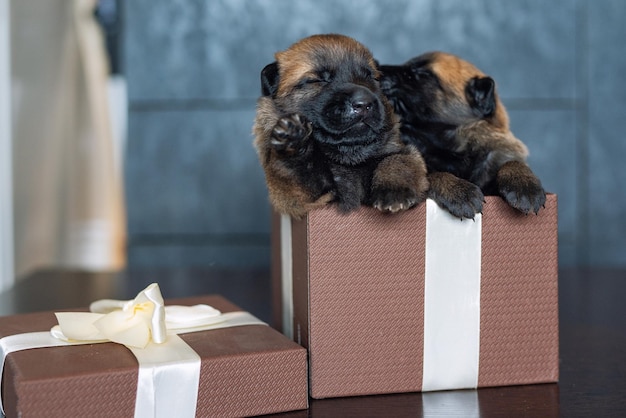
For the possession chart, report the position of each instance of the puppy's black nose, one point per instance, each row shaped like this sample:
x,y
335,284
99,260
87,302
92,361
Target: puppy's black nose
x,y
362,102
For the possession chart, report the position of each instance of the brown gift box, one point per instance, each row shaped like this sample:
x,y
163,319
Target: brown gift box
x,y
246,370
359,287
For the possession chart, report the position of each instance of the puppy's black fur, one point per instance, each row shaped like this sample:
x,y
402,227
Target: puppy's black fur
x,y
326,133
451,111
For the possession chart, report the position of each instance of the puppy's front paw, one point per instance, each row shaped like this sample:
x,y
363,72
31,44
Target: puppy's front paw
x,y
526,197
520,188
460,197
399,182
290,133
394,200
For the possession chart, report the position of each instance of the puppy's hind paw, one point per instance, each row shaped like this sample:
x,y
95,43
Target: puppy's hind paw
x,y
290,133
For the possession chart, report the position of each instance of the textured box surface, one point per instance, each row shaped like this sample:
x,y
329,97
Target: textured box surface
x,y
246,370
359,291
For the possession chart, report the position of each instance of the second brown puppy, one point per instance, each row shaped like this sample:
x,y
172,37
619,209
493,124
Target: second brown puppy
x,y
451,111
326,133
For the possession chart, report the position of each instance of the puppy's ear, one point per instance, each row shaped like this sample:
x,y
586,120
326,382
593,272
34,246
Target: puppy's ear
x,y
481,94
269,79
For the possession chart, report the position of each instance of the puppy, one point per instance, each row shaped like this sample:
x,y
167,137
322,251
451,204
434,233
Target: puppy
x,y
324,132
451,111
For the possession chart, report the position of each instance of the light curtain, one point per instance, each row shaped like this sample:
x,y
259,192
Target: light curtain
x,y
68,195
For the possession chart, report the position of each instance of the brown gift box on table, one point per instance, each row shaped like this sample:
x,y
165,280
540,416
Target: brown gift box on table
x,y
356,299
246,370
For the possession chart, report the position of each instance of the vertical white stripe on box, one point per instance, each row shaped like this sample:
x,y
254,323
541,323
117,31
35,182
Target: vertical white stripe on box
x,y
168,379
453,403
286,275
7,275
451,300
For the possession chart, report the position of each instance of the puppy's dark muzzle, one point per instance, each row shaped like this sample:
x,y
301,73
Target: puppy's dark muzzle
x,y
388,78
351,106
395,82
392,76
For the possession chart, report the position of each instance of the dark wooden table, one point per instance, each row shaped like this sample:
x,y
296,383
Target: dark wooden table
x,y
592,340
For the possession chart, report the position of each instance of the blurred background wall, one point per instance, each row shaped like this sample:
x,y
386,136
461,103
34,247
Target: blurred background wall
x,y
195,193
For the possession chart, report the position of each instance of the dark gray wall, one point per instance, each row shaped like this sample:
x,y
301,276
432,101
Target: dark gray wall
x,y
195,191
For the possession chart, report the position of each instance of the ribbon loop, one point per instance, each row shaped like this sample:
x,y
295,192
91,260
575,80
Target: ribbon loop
x,y
132,323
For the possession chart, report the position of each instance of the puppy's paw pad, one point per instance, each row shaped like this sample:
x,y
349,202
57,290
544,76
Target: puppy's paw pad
x,y
290,132
394,200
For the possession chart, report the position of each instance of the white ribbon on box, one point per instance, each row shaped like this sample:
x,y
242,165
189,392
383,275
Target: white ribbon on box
x,y
169,369
451,298
286,257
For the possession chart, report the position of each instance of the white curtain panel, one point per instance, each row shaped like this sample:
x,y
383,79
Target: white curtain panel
x,y
68,196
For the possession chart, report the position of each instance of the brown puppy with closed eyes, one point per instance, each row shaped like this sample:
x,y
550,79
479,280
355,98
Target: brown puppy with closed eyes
x,y
451,112
325,133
